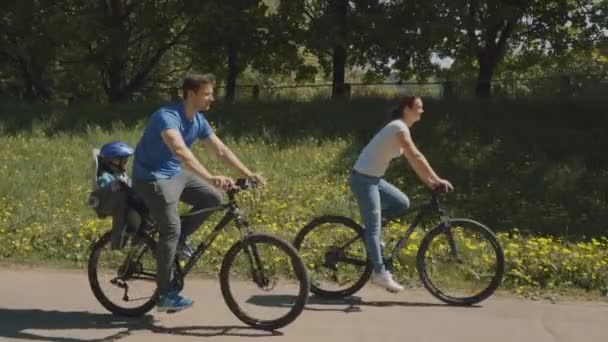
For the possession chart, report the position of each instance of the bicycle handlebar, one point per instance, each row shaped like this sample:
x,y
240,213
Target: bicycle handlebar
x,y
439,190
242,184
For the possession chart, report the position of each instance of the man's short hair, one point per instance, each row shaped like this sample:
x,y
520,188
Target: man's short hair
x,y
194,82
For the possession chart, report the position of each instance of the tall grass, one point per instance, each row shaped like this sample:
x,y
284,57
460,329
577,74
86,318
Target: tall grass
x,y
540,167
537,165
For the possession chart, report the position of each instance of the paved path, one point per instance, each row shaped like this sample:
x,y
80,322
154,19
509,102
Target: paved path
x,y
57,305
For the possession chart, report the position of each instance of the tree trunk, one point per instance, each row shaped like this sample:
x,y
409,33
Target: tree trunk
x,y
491,54
116,89
339,13
487,66
36,89
115,66
339,67
233,73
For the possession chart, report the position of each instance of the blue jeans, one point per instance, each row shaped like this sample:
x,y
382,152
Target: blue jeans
x,y
376,198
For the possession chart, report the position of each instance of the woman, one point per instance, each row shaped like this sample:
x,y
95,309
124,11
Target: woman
x,y
376,197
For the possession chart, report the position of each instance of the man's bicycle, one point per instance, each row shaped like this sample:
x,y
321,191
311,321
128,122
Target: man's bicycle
x,y
459,261
252,267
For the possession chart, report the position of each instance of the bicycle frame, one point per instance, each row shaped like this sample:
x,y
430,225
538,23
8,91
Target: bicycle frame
x,y
250,243
423,210
232,213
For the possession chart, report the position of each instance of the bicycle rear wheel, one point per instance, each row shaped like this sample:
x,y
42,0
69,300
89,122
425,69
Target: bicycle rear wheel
x,y
460,264
254,267
333,249
124,280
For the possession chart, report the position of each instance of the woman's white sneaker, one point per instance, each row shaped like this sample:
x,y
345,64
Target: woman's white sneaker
x,y
385,280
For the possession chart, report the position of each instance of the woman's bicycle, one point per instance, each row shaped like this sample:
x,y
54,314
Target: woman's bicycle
x,y
459,261
254,264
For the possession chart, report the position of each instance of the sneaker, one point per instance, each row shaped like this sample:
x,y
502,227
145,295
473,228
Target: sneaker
x,y
385,280
172,302
184,249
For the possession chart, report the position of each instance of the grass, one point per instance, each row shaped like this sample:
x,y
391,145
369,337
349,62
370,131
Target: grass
x,y
538,165
509,162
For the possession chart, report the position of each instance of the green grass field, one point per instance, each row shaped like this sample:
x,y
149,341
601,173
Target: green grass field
x,y
514,165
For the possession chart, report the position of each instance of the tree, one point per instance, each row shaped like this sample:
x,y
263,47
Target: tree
x,y
336,33
491,29
232,35
126,40
30,34
401,36
228,30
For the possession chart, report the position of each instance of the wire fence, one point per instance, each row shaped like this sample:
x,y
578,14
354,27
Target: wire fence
x,y
564,86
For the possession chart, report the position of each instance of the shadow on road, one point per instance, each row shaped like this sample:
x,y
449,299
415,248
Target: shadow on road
x,y
348,304
19,323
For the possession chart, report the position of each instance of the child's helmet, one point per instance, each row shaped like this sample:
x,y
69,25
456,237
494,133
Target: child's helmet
x,y
115,150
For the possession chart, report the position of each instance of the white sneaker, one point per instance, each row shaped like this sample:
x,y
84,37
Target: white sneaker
x,y
385,280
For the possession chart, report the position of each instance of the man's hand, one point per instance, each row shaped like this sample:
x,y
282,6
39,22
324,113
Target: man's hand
x,y
258,179
222,182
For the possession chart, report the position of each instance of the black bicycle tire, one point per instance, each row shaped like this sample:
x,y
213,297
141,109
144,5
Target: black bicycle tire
x,y
347,222
96,288
299,271
462,301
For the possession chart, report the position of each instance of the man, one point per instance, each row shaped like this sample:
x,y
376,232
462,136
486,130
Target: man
x,y
165,171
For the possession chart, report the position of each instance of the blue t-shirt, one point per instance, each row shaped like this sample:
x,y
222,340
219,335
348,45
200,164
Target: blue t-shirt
x,y
153,158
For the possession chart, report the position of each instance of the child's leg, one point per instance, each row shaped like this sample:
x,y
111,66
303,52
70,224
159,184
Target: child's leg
x,y
133,220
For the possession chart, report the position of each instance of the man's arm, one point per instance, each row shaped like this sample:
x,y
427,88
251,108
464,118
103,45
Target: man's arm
x,y
174,140
222,152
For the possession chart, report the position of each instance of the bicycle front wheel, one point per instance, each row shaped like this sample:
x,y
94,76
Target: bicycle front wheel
x,y
264,282
461,263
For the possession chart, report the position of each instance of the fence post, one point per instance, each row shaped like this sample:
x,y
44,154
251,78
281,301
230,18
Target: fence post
x,y
513,88
255,92
447,89
566,86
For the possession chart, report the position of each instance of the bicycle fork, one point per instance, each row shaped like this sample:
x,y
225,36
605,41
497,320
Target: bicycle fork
x,y
256,269
445,221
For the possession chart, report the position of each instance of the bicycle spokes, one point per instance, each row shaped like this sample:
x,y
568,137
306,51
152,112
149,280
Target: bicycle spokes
x,y
134,276
263,274
335,256
460,262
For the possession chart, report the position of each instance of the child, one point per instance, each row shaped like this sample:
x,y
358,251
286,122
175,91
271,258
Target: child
x,y
113,158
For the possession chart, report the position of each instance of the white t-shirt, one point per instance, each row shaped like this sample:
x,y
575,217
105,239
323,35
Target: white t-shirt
x,y
384,147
